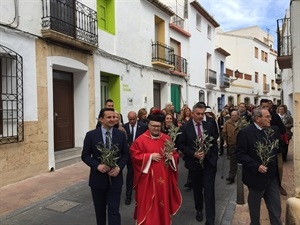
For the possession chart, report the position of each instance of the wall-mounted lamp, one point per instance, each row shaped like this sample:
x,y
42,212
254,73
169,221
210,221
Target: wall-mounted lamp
x,y
236,75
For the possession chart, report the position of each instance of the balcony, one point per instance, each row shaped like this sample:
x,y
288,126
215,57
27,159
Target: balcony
x,y
177,24
162,55
224,81
278,78
266,88
180,65
70,22
284,56
210,78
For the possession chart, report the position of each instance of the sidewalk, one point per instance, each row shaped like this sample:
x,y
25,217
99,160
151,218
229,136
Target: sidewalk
x,y
63,197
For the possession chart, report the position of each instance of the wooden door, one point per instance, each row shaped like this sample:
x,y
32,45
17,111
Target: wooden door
x,y
63,110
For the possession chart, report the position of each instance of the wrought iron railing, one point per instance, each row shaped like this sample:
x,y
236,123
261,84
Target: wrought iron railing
x,y
224,80
180,63
278,78
162,53
71,18
11,97
210,76
284,47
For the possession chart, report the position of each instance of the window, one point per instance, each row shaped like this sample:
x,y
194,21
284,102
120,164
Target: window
x,y
264,56
198,22
256,52
11,98
256,77
273,84
209,32
106,15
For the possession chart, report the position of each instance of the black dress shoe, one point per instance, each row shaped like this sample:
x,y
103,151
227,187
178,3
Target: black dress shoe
x,y
127,201
199,216
188,185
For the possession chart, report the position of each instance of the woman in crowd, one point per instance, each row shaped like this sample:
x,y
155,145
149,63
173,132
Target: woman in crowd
x,y
169,120
288,124
142,116
186,114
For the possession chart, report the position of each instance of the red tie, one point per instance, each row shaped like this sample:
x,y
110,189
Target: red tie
x,y
199,130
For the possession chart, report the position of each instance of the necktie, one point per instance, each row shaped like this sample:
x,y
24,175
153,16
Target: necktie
x,y
132,132
107,139
131,135
199,130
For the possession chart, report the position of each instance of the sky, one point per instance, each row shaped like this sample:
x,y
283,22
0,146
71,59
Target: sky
x,y
236,14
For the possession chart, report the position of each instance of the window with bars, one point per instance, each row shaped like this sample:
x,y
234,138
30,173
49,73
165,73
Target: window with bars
x,y
11,98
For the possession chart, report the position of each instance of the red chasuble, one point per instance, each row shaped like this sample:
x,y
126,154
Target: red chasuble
x,y
157,194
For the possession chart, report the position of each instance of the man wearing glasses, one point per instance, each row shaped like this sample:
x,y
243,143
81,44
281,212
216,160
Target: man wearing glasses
x,y
155,175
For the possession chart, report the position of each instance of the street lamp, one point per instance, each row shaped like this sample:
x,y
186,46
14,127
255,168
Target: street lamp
x,y
236,75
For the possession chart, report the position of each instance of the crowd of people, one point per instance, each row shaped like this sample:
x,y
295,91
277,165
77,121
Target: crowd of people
x,y
150,146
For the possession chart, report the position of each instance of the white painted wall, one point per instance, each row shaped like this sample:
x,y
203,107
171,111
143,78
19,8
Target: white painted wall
x,y
24,45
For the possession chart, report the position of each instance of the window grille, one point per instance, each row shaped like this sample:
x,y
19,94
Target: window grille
x,y
11,98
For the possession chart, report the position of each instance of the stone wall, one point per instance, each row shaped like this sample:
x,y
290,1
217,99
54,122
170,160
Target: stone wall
x,y
19,161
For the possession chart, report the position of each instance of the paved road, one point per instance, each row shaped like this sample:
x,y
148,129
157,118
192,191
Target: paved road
x,y
73,206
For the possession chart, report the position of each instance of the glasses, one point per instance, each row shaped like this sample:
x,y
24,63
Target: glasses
x,y
155,126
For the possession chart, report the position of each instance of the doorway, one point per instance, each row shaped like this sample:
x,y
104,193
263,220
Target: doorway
x,y
63,110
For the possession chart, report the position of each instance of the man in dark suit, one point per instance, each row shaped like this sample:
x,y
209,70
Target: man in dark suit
x,y
201,177
133,129
261,177
105,182
276,121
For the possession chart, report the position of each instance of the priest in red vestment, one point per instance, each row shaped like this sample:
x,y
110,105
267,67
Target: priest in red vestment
x,y
155,181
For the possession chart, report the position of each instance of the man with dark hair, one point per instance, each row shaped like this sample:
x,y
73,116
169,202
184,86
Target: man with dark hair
x,y
244,114
202,175
276,121
105,181
109,103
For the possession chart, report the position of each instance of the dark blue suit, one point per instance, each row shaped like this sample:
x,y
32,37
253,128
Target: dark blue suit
x,y
260,184
208,173
103,192
140,129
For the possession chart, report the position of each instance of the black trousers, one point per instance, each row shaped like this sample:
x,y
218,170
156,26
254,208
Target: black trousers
x,y
109,197
129,179
203,182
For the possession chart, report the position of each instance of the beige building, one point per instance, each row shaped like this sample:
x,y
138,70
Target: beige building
x,y
47,69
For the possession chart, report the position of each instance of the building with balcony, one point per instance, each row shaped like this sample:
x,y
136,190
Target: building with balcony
x,y
252,66
47,70
285,60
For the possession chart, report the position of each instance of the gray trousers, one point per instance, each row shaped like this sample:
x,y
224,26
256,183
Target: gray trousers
x,y
272,200
233,162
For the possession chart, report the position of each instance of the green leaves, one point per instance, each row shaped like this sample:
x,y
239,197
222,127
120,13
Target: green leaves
x,y
108,156
203,144
169,145
265,150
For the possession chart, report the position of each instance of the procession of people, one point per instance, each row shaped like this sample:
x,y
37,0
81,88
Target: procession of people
x,y
151,144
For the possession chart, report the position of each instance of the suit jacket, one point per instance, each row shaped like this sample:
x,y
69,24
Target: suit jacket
x,y
141,128
91,156
247,156
214,124
186,144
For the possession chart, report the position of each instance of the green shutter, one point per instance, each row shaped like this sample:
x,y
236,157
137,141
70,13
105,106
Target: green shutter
x,y
106,15
175,96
